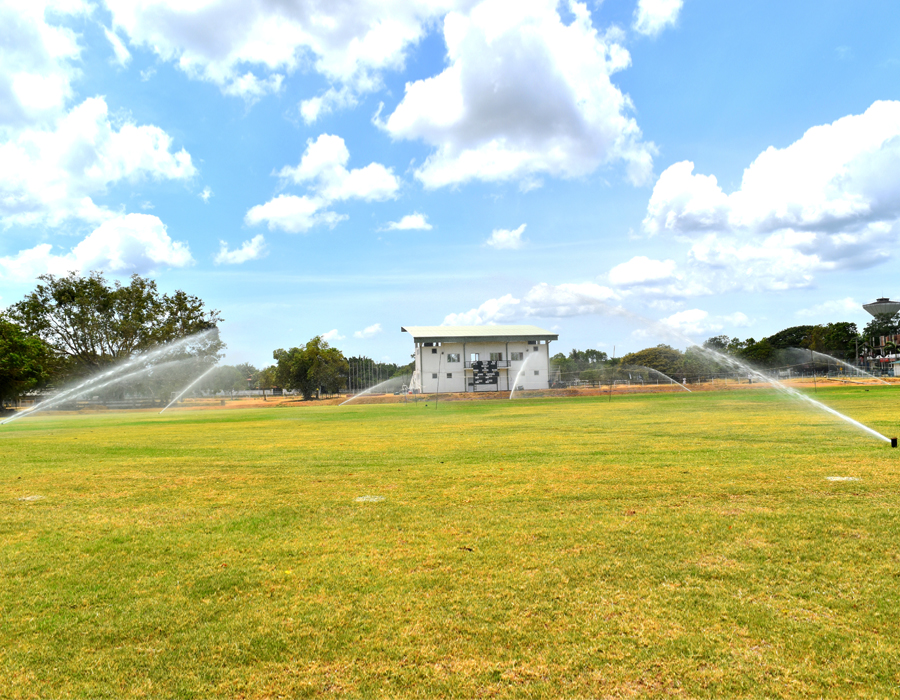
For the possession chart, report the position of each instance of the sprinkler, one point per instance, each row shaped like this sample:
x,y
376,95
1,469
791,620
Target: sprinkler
x,y
893,442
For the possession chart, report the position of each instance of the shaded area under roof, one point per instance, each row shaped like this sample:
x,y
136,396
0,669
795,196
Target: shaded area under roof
x,y
474,334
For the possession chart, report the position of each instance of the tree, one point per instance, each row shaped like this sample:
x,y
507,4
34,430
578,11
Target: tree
x,y
92,324
718,343
268,377
793,337
663,358
882,324
26,362
314,367
760,353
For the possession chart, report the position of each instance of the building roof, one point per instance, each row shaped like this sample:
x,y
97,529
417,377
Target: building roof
x,y
474,334
882,305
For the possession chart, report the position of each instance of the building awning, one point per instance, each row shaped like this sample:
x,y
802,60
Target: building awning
x,y
476,334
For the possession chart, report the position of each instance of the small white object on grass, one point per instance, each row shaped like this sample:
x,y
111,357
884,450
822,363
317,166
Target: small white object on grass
x,y
842,478
369,499
29,498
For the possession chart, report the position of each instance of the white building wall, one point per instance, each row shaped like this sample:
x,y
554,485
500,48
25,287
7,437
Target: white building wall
x,y
439,373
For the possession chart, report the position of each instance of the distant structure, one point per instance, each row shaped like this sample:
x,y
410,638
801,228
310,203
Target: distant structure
x,y
882,305
480,358
882,350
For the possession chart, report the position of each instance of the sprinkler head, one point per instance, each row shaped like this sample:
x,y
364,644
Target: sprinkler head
x,y
893,442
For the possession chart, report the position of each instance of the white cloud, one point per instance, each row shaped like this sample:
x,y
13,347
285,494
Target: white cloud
x,y
253,249
50,176
695,322
410,222
292,214
828,310
330,100
206,194
831,200
523,94
132,243
690,322
652,16
332,336
122,54
369,331
543,300
247,47
322,169
37,60
641,270
503,239
737,320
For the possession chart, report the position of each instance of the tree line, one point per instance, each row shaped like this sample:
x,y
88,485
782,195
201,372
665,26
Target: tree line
x,y
74,326
841,341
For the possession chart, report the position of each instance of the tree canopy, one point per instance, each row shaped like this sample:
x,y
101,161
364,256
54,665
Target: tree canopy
x,y
91,323
26,362
315,367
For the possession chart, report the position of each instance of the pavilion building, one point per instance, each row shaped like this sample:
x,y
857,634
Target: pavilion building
x,y
480,358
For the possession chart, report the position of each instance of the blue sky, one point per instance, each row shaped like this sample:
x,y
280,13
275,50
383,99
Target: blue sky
x,y
349,167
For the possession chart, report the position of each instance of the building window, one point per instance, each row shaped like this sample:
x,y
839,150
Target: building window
x,y
532,342
537,372
535,349
452,357
434,375
497,356
434,351
516,356
449,375
475,357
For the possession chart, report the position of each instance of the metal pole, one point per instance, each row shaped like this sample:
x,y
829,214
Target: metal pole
x,y
610,377
815,388
437,388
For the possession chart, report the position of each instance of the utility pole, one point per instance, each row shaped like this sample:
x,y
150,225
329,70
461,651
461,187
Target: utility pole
x,y
610,377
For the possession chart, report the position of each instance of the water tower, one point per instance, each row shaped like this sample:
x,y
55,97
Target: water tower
x,y
882,305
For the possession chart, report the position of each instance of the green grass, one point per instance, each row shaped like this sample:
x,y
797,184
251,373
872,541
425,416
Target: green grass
x,y
655,545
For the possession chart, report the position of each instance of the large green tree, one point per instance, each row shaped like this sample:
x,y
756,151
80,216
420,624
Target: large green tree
x,y
663,358
92,323
315,367
26,362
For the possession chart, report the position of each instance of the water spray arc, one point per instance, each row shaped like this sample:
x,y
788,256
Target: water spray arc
x,y
130,369
519,374
642,368
187,388
791,392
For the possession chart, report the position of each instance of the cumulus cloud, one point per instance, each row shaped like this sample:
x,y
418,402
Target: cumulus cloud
x,y
132,243
692,323
253,249
543,300
831,200
330,100
652,16
641,270
37,60
323,170
829,310
504,239
524,93
50,175
122,54
246,48
369,331
206,194
410,222
332,336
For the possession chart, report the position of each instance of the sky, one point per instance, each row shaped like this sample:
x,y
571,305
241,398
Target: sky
x,y
622,173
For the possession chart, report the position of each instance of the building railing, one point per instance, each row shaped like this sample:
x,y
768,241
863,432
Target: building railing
x,y
497,363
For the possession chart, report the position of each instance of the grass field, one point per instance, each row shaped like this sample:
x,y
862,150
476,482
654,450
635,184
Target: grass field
x,y
653,545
